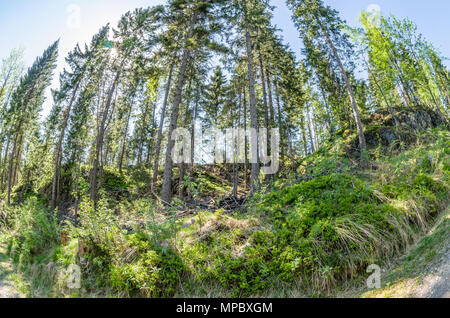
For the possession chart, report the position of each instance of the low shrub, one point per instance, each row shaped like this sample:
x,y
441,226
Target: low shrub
x,y
32,231
154,272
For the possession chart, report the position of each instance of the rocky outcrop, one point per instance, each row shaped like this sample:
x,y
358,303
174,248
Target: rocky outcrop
x,y
412,118
382,128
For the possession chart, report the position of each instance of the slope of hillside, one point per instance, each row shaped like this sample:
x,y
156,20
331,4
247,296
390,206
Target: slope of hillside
x,y
314,230
424,272
8,287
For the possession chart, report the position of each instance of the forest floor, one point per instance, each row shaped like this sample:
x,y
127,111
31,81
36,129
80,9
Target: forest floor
x,y
423,272
8,287
135,232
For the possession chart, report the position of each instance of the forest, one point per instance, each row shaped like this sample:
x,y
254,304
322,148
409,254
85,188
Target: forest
x,y
359,164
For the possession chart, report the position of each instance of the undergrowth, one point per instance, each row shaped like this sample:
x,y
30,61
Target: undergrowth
x,y
313,235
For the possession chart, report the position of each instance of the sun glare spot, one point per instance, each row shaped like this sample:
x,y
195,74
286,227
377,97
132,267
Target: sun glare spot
x,y
374,9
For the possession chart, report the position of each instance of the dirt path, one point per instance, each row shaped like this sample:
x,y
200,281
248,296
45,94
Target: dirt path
x,y
7,288
436,284
425,271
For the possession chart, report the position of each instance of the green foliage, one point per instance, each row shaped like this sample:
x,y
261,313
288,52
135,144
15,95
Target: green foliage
x,y
33,231
324,230
319,221
114,181
207,183
139,264
308,221
320,231
154,273
214,249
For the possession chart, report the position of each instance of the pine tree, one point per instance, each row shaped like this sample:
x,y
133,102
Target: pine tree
x,y
249,17
215,96
71,83
135,31
26,103
201,24
321,25
10,72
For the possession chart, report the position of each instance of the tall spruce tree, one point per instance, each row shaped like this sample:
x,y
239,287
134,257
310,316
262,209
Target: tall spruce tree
x,y
321,26
26,103
201,23
71,83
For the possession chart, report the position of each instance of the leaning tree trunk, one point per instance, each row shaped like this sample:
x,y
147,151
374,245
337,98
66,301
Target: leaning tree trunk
x,y
12,164
100,137
428,85
391,110
362,138
56,169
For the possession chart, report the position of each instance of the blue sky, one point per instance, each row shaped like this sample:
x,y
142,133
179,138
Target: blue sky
x,y
34,24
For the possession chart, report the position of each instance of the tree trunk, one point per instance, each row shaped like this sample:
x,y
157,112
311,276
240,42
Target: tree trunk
x,y
271,108
194,118
237,149
310,130
152,137
100,137
280,119
362,138
302,124
166,192
11,174
253,116
124,142
327,107
181,180
394,117
245,137
160,129
182,165
6,160
11,163
56,169
406,88
263,83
